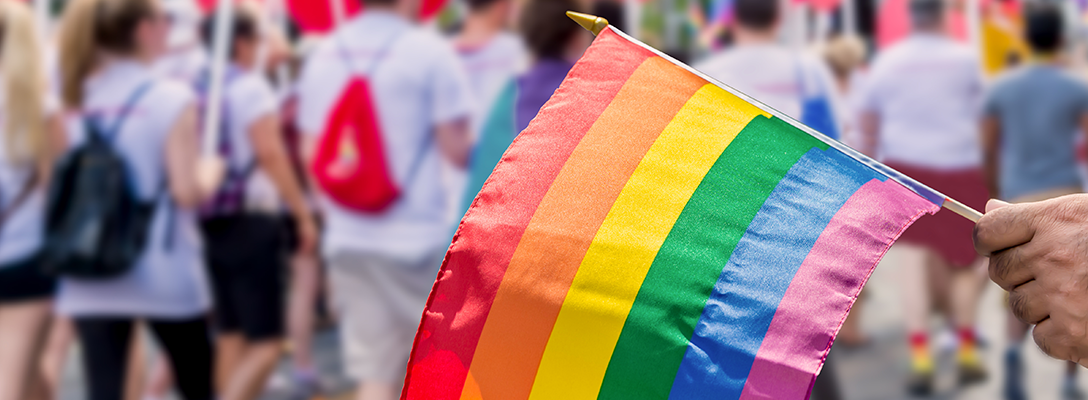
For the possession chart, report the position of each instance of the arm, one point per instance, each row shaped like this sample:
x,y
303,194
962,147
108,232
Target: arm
x,y
869,127
454,141
58,136
991,139
273,160
192,178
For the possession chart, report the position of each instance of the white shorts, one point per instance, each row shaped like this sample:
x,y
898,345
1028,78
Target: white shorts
x,y
380,301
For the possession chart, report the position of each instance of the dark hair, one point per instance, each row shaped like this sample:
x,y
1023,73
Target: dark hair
x,y
116,22
546,28
756,14
477,5
89,26
1044,27
926,13
243,26
612,11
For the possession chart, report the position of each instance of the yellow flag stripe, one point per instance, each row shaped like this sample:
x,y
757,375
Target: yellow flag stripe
x,y
604,288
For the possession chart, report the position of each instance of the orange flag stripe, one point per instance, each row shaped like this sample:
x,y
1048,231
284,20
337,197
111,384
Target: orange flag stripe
x,y
532,291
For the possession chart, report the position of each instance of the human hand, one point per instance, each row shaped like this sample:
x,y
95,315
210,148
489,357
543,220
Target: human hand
x,y
1039,253
210,172
307,234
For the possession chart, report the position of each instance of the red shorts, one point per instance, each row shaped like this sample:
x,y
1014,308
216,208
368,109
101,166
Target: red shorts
x,y
947,233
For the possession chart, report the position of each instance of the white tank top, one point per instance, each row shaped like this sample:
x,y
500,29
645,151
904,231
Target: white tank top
x,y
22,234
169,279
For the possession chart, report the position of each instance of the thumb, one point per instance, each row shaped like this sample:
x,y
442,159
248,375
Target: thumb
x,y
994,204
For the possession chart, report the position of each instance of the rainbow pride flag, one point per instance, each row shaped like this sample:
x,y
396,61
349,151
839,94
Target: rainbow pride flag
x,y
653,234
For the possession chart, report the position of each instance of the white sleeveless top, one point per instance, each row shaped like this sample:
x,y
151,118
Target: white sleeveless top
x,y
22,234
168,281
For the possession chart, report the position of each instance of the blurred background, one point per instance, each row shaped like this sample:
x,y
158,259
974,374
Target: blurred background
x,y
949,92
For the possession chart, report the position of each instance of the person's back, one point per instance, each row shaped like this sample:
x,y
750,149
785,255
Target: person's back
x,y
771,73
148,126
169,278
1040,109
927,90
791,81
382,263
416,83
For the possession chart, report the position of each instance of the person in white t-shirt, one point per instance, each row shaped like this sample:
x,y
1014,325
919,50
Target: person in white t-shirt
x,y
772,73
28,144
919,111
242,225
493,57
107,51
382,265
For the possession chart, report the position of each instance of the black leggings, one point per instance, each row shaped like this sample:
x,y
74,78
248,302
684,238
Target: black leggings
x,y
106,343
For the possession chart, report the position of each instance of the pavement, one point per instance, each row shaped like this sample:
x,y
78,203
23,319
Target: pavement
x,y
872,372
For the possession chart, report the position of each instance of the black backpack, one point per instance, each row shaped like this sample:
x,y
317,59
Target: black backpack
x,y
96,225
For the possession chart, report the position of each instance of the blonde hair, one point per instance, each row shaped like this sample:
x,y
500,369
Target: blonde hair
x,y
24,82
89,27
844,54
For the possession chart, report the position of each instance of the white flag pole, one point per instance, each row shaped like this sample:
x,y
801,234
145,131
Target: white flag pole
x,y
974,24
220,42
849,17
632,13
41,13
339,14
283,74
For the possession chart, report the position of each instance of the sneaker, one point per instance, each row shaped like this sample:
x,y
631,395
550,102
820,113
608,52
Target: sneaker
x,y
920,384
1014,376
306,386
1070,390
971,373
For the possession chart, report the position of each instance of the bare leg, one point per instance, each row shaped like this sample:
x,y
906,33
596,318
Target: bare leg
x,y
916,296
55,357
243,368
137,364
228,354
965,293
23,328
300,317
161,380
916,307
255,363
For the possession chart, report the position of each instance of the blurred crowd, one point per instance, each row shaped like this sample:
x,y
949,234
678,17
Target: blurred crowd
x,y
267,169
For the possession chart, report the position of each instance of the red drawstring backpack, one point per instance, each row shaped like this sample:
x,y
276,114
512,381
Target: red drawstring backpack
x,y
350,164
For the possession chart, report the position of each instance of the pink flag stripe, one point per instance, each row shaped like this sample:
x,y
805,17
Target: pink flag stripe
x,y
826,285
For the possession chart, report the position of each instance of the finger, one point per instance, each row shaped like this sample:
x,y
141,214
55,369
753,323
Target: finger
x,y
1052,339
1045,335
1007,268
994,204
1028,303
1005,226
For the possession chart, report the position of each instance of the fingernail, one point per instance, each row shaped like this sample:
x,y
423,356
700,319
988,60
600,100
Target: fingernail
x,y
994,204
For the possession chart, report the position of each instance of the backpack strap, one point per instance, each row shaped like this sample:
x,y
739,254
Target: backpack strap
x,y
24,194
421,155
126,109
345,54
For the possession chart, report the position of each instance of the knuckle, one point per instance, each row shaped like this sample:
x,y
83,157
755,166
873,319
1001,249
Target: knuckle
x,y
1018,306
1002,265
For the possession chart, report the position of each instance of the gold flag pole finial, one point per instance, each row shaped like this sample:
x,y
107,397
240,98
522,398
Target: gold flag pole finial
x,y
592,23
